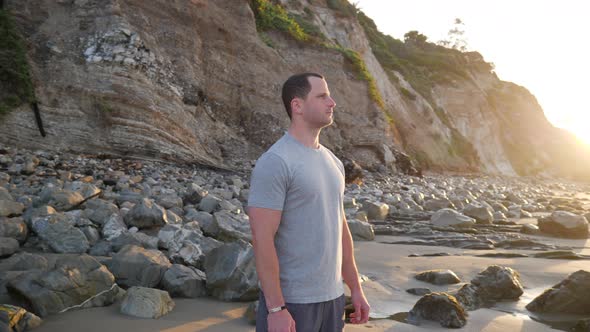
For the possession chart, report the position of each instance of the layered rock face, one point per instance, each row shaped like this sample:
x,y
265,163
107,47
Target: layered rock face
x,y
194,81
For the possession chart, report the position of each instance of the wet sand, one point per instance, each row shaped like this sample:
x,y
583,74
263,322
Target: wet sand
x,y
390,273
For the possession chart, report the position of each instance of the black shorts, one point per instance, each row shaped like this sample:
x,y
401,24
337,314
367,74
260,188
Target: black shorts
x,y
325,316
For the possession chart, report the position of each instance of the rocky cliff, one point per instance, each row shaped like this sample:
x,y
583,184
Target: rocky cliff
x,y
199,81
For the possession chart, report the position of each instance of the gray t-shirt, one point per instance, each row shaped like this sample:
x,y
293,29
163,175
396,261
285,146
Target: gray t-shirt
x,y
307,185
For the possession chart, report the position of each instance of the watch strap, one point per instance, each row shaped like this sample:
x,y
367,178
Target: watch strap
x,y
276,309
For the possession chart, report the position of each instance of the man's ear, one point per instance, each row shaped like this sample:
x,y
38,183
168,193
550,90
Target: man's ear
x,y
296,105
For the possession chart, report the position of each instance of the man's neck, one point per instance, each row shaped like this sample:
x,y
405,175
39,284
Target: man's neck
x,y
309,137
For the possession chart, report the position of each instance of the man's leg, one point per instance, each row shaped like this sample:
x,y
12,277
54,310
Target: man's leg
x,y
333,315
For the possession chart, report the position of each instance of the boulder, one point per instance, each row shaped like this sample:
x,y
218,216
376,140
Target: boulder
x,y
231,272
113,227
209,204
361,230
99,211
8,246
495,283
565,224
438,204
146,302
24,261
438,277
376,210
449,217
57,231
183,281
74,282
63,200
231,226
13,318
146,214
438,307
10,208
136,266
419,291
570,296
480,212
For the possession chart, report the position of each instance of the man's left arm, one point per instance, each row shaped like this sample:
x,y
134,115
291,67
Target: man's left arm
x,y
350,276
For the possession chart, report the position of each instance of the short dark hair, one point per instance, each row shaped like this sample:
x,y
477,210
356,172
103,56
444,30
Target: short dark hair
x,y
296,86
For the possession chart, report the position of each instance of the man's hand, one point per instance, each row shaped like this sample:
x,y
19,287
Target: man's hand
x,y
361,307
280,322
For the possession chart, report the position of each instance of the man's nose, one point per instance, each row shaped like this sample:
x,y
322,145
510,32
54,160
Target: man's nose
x,y
332,102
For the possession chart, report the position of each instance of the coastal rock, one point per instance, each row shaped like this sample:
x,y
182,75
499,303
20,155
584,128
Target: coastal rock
x,y
209,204
10,208
438,204
8,246
570,296
183,281
438,277
23,262
481,213
146,214
449,217
57,231
565,224
231,272
146,302
74,281
495,283
438,307
376,210
360,230
15,228
231,226
13,318
99,211
136,266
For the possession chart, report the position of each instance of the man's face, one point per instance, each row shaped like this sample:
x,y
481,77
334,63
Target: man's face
x,y
318,107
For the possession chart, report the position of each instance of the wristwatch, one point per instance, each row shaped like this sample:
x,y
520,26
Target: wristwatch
x,y
276,309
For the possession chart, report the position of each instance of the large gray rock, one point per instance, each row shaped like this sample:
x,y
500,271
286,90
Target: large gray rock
x,y
169,201
231,272
146,214
194,194
113,227
33,213
13,318
480,212
146,302
75,282
438,307
570,296
495,283
15,228
232,226
565,224
437,204
205,221
136,266
99,211
8,246
376,210
23,262
183,281
134,238
58,232
438,277
63,200
361,230
449,217
10,208
209,204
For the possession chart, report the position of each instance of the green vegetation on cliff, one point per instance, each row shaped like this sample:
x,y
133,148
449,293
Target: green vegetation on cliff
x,y
272,16
16,87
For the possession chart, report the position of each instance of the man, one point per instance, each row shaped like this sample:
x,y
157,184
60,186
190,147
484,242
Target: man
x,y
302,243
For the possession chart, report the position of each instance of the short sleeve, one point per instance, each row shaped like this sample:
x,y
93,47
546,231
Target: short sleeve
x,y
268,183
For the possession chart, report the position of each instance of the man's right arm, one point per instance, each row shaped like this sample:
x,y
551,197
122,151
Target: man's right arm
x,y
264,224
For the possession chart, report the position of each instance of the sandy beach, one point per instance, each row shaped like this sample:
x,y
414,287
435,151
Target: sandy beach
x,y
390,272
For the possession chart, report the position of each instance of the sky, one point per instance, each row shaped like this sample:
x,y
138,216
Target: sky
x,y
541,45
